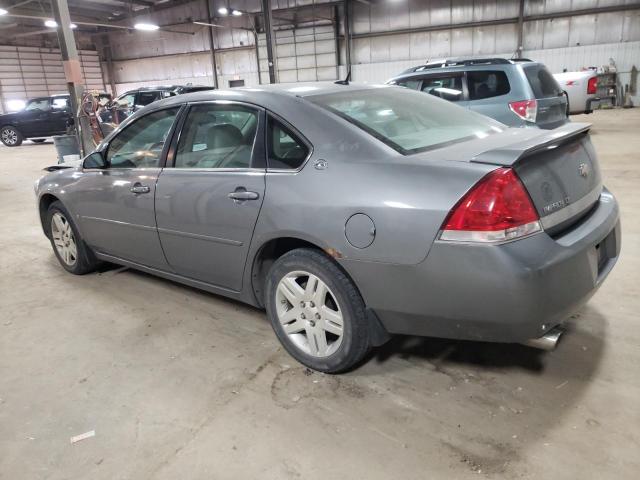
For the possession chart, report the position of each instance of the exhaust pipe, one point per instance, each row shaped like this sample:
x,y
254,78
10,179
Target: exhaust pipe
x,y
546,342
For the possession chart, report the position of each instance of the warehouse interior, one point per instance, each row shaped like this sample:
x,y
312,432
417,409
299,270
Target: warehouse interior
x,y
122,374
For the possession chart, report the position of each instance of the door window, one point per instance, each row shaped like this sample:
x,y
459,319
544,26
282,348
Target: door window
x,y
41,104
60,103
145,98
409,83
285,149
140,144
126,100
487,84
448,88
217,136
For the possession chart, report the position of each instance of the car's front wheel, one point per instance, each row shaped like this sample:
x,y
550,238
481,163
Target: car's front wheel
x,y
10,136
72,253
316,311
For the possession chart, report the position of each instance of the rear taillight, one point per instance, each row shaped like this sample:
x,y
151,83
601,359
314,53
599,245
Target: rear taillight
x,y
496,209
592,85
525,109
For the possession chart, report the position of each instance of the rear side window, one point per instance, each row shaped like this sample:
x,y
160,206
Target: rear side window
x,y
448,88
285,149
145,98
217,136
487,84
542,82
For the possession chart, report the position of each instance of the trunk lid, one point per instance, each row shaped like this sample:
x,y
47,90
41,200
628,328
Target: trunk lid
x,y
552,103
559,169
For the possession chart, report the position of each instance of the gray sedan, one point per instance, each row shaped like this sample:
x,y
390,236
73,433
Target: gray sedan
x,y
348,212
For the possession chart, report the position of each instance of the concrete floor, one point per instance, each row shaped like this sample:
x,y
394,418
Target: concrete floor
x,y
178,383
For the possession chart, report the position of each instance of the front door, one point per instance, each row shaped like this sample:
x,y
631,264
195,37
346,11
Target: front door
x,y
116,204
34,118
207,204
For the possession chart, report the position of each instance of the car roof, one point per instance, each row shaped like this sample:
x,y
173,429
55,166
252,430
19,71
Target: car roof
x,y
463,64
268,96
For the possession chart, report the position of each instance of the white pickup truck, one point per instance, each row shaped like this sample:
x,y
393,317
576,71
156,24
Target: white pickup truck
x,y
581,89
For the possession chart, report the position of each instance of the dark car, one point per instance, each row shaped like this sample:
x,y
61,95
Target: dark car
x,y
518,93
41,117
133,100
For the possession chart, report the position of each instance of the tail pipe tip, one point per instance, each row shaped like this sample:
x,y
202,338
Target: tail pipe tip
x,y
546,342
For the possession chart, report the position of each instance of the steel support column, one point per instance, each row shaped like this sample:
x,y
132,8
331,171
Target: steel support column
x,y
70,58
212,47
520,46
268,30
346,6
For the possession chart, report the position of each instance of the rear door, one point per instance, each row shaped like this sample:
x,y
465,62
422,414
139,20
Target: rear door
x,y
59,115
552,103
208,200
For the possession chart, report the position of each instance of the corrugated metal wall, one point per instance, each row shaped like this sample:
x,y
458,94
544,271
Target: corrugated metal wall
x,y
302,55
27,72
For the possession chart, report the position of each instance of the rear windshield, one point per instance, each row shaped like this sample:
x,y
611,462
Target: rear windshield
x,y
542,82
406,120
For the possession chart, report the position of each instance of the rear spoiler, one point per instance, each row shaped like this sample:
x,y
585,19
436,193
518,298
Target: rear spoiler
x,y
510,154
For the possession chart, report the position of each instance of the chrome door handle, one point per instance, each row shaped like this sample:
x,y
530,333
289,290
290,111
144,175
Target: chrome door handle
x,y
242,195
139,188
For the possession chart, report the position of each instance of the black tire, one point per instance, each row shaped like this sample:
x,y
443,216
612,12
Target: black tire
x,y
356,336
11,136
38,140
85,261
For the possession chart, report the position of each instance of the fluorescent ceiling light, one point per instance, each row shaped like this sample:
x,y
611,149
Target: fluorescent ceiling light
x,y
50,23
15,105
223,11
236,13
73,25
3,11
147,27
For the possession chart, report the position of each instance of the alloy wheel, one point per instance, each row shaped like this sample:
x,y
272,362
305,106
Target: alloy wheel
x,y
309,314
63,239
9,136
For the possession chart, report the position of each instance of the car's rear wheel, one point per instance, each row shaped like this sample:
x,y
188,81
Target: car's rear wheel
x,y
38,140
316,311
10,136
72,253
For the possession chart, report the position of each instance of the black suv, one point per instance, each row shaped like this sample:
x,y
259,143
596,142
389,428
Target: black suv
x,y
133,100
41,117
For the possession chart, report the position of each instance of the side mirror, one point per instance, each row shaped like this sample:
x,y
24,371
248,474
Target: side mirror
x,y
94,160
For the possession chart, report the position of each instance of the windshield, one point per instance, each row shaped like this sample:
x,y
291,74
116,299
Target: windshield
x,y
542,82
406,120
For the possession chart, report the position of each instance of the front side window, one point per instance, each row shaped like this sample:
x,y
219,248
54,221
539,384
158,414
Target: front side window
x,y
285,150
140,144
409,83
448,88
126,100
406,120
487,84
217,136
41,104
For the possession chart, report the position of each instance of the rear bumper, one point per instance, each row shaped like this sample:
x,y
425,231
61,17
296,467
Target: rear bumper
x,y
506,293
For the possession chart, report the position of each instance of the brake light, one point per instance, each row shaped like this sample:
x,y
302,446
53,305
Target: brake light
x,y
496,209
525,109
592,85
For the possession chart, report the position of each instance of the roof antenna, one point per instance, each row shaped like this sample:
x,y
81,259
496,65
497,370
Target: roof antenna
x,y
345,81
